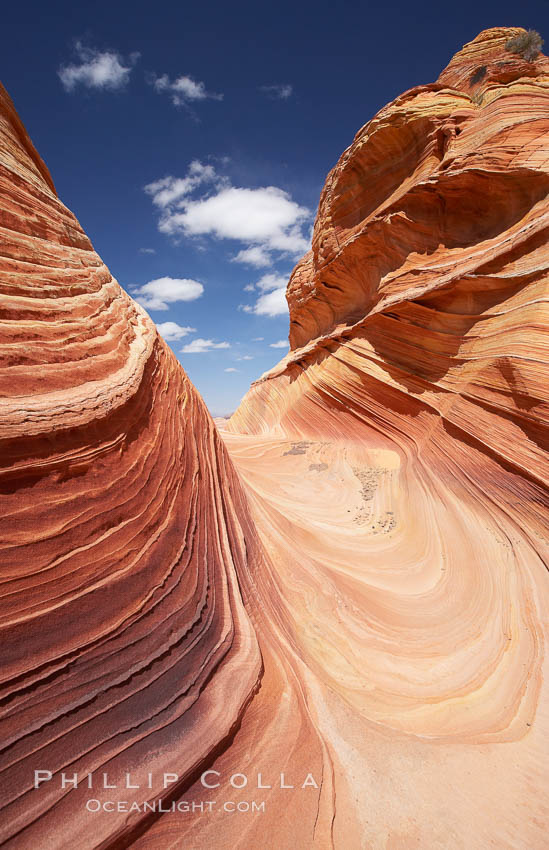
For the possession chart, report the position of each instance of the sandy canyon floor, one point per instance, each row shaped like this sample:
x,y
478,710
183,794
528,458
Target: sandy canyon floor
x,y
401,627
335,603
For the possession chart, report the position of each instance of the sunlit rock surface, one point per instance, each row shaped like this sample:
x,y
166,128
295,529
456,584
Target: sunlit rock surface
x,y
396,460
384,542
125,644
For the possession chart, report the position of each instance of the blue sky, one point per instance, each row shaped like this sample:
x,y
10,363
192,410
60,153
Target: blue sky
x,y
192,141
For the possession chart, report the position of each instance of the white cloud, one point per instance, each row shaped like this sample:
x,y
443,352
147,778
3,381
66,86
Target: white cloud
x,y
254,256
271,281
267,216
171,330
264,219
159,293
282,343
169,192
147,251
278,92
231,369
245,357
183,89
199,346
97,69
269,304
258,339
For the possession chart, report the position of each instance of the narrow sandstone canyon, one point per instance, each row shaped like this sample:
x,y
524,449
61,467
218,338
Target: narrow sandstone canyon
x,y
341,592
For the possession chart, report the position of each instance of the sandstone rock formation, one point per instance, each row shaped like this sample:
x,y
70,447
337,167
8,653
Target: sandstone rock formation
x,y
384,542
125,644
396,460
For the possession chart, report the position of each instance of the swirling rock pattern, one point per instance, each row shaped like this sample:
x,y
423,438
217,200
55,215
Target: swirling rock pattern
x,y
396,461
364,601
125,644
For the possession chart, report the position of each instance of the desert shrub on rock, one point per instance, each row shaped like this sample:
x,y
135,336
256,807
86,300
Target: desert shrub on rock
x,y
528,45
479,75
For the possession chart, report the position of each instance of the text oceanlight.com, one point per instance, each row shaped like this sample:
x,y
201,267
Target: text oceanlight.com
x,y
194,807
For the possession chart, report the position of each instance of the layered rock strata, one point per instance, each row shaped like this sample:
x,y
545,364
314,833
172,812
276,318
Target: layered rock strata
x,y
125,644
383,541
396,460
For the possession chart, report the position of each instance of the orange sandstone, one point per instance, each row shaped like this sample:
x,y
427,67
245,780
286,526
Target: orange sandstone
x,y
396,462
125,644
384,542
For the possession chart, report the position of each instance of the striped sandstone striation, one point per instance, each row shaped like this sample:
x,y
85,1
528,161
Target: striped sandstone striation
x,y
396,463
125,644
383,540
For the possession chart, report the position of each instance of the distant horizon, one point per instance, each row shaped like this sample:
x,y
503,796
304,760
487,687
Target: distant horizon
x,y
193,146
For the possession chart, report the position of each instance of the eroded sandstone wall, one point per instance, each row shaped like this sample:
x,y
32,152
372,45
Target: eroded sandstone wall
x,y
125,644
